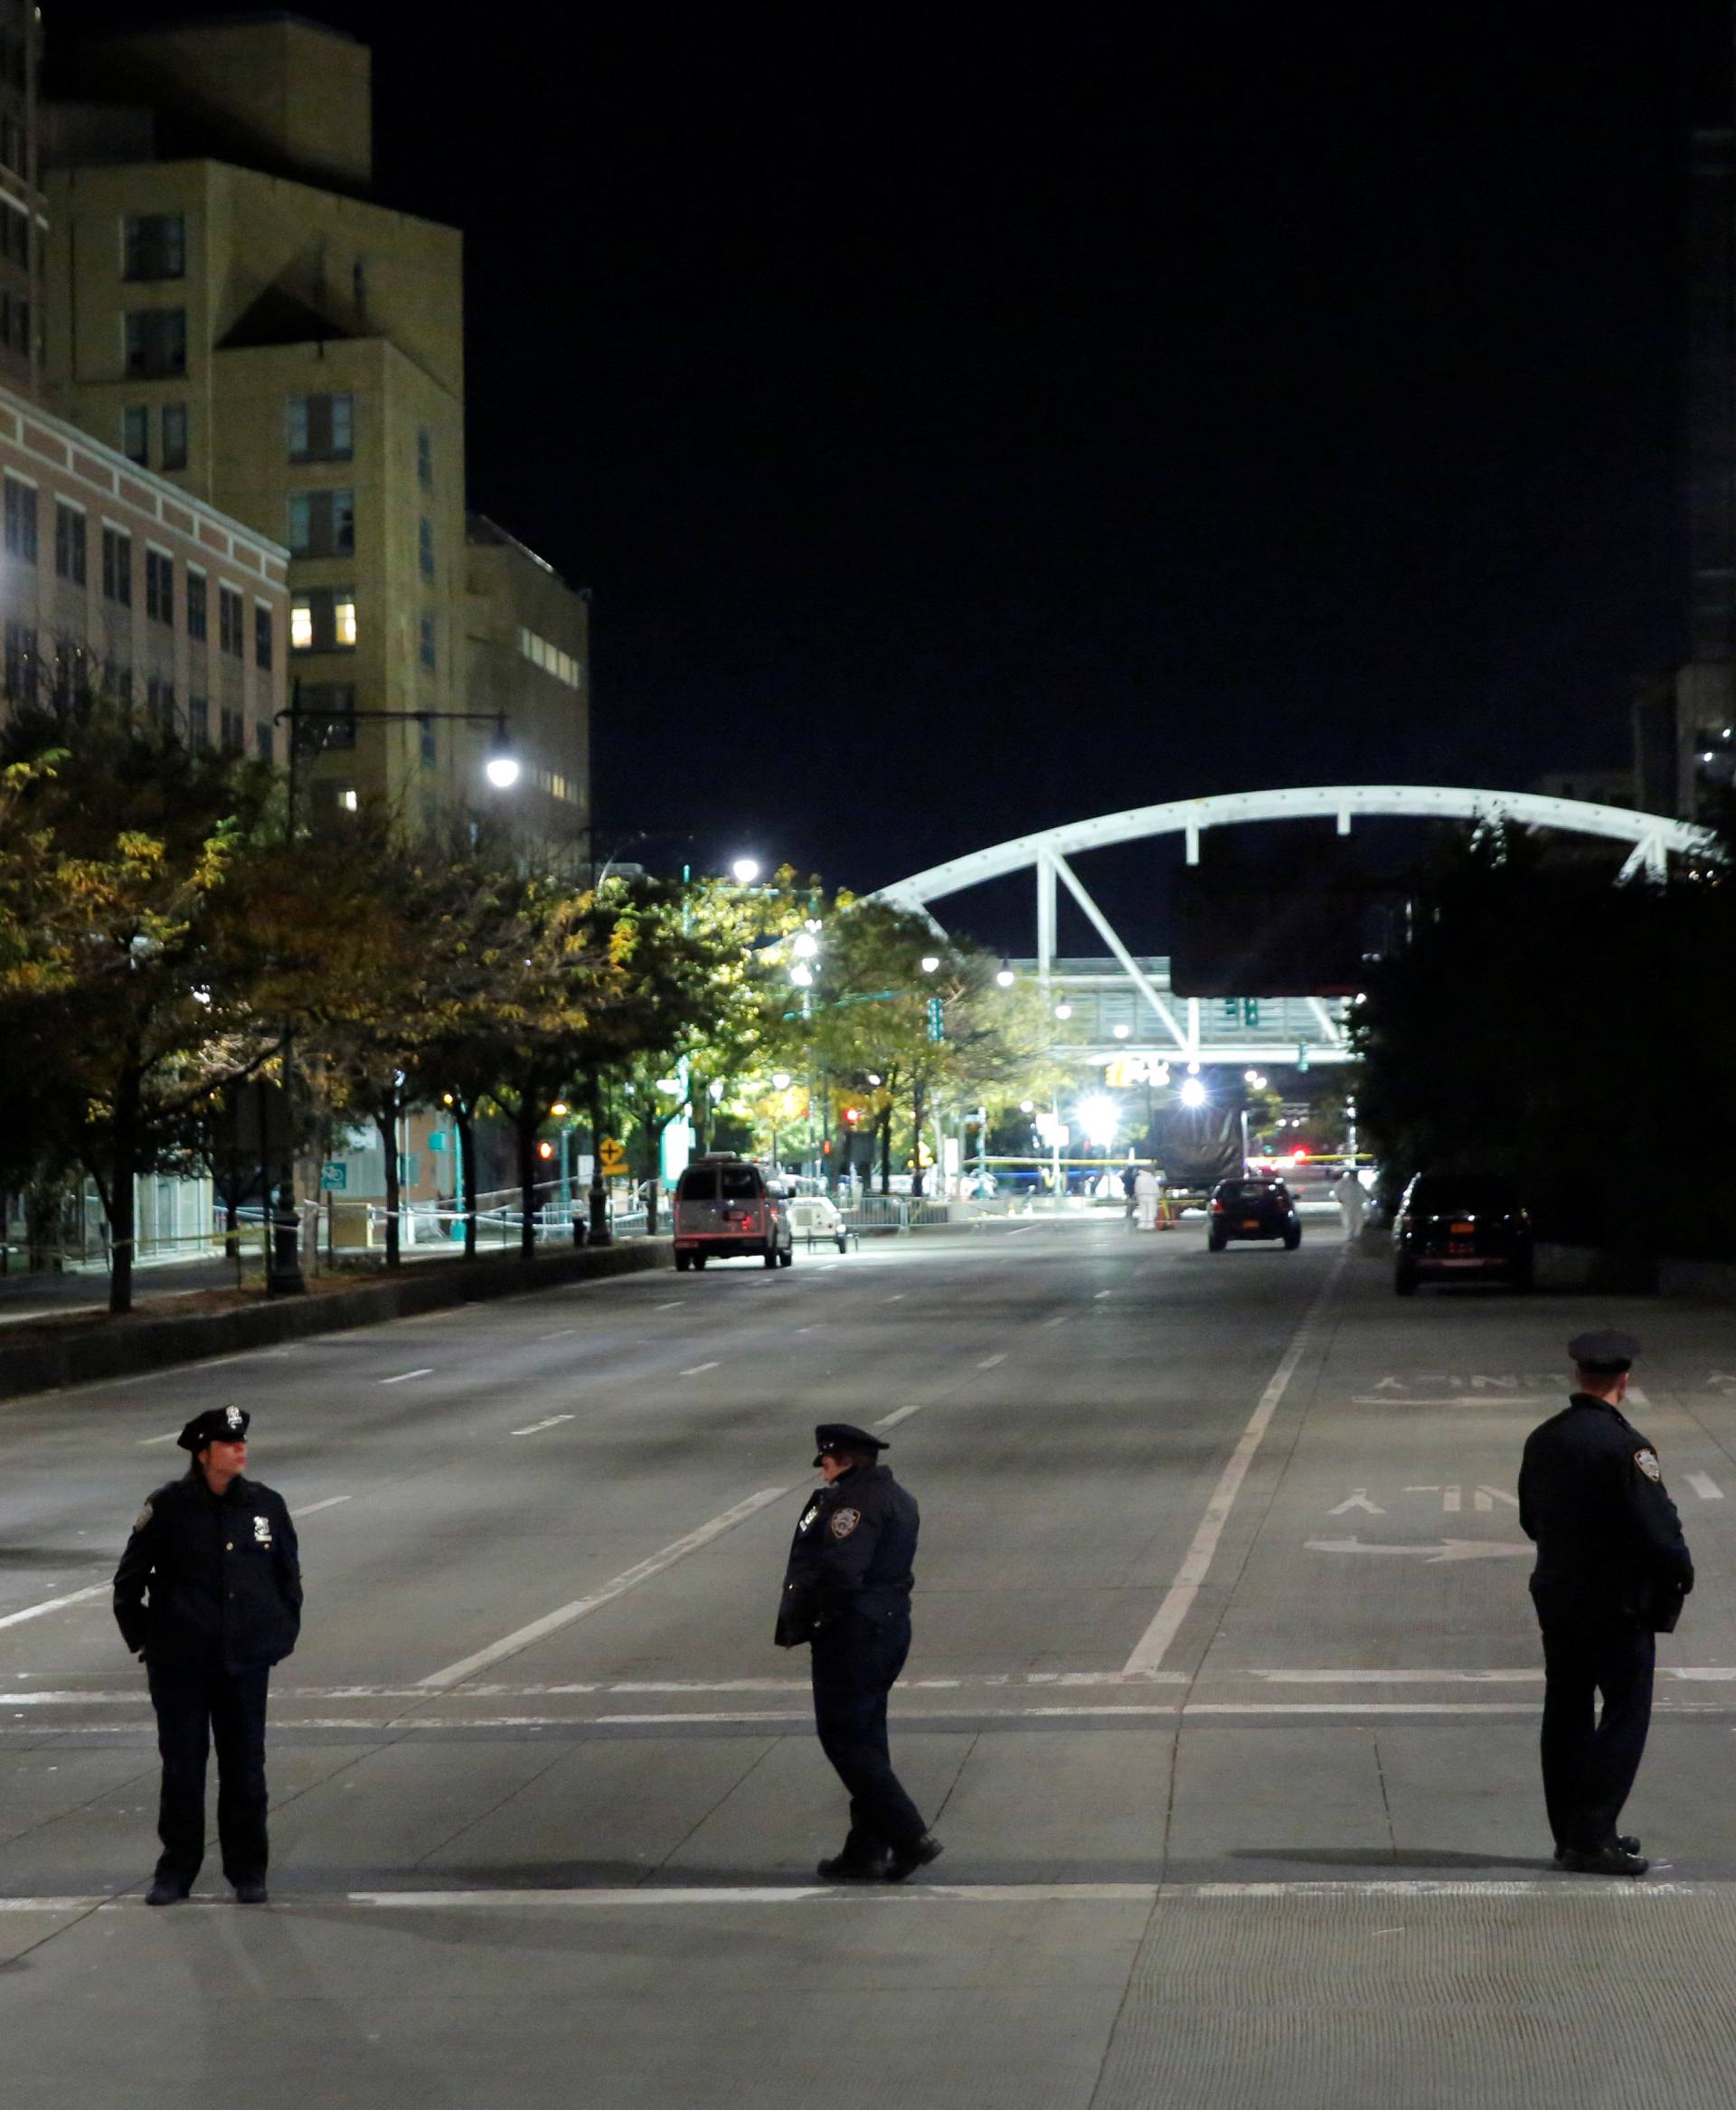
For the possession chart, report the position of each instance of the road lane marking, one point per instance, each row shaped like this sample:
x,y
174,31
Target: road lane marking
x,y
1705,1487
405,1375
1178,1601
512,1645
898,1414
1450,1399
1101,1294
1433,1553
536,1428
699,1370
899,1299
314,1508
145,1441
673,1304
560,1333
989,1362
1059,1319
99,1590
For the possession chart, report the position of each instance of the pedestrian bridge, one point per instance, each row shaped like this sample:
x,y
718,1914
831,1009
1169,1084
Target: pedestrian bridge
x,y
1095,1000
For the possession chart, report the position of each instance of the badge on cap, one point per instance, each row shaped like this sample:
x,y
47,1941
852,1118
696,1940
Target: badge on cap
x,y
1647,1463
235,1418
845,1521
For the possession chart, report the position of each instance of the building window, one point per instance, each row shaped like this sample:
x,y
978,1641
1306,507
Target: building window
x,y
136,433
228,620
20,520
562,665
156,245
321,427
196,605
21,660
322,619
117,567
430,657
328,709
262,640
430,743
198,722
156,340
425,457
231,731
425,547
69,543
159,703
262,739
175,436
15,233
322,523
17,321
13,145
159,585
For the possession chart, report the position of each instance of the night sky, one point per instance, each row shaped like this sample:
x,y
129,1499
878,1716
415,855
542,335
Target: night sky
x,y
966,427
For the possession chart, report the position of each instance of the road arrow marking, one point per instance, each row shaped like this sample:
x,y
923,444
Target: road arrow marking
x,y
1359,1500
1448,1549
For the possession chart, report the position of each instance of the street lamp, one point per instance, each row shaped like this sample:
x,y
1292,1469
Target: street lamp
x,y
930,963
1193,1092
1007,977
501,769
745,871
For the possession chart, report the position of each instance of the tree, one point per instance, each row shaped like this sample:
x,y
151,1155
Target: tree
x,y
129,983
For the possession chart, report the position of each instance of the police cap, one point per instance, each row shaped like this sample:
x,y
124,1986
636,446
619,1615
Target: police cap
x,y
844,1436
1604,1351
216,1425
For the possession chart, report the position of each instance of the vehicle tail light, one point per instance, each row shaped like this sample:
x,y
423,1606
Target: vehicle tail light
x,y
1217,1209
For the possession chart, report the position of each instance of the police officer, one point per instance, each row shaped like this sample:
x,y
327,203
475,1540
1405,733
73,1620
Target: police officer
x,y
1613,1572
847,1592
209,1593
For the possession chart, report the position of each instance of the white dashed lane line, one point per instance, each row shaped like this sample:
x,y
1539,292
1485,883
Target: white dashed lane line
x,y
989,1362
699,1370
314,1508
1705,1487
1101,1294
405,1375
898,1414
560,1333
536,1428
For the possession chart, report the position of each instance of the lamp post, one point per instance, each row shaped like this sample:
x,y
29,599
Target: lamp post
x,y
283,1263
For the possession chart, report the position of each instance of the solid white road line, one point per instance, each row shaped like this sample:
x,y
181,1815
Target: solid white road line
x,y
1178,1601
560,1333
511,1644
404,1375
99,1590
1705,1487
331,1501
699,1370
898,1414
673,1304
989,1362
145,1441
536,1428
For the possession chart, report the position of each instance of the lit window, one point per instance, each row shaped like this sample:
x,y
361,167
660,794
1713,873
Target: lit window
x,y
301,624
344,618
346,799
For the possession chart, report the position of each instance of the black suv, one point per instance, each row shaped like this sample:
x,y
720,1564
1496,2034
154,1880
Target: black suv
x,y
1252,1209
1468,1224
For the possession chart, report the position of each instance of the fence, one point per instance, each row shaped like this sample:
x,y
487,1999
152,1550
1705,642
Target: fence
x,y
872,1213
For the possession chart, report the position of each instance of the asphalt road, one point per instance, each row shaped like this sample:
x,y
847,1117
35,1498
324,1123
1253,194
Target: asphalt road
x,y
1223,1699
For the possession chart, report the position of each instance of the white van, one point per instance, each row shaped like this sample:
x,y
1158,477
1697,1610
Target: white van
x,y
727,1209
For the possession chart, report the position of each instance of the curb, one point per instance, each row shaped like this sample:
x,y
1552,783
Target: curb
x,y
86,1355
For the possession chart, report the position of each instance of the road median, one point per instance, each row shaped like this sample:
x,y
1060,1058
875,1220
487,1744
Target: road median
x,y
61,1352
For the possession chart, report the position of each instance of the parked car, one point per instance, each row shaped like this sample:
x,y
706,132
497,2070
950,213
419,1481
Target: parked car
x,y
816,1216
1251,1209
727,1209
1469,1224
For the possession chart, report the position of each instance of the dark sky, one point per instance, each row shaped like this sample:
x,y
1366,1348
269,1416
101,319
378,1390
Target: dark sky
x,y
965,427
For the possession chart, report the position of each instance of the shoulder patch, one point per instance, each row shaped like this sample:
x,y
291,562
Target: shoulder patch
x,y
143,1517
844,1521
1647,1463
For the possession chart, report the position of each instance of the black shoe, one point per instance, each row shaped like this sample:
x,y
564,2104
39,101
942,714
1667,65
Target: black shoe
x,y
1608,1860
1628,1842
850,1867
164,1890
251,1894
904,1860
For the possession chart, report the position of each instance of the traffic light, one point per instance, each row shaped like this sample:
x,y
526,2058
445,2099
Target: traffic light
x,y
852,1114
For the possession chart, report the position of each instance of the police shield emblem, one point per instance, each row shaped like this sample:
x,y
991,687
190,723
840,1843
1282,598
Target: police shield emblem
x,y
844,1521
262,1530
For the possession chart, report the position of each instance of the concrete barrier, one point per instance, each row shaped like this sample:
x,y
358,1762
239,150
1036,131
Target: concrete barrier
x,y
80,1354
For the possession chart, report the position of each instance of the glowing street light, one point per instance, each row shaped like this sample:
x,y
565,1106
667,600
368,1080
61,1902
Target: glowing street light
x,y
1063,1010
780,1081
930,961
1099,1118
1193,1092
1007,977
745,871
501,769
1121,1032
802,974
805,945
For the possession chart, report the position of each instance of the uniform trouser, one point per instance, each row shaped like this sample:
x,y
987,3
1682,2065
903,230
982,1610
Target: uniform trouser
x,y
195,1707
1589,1759
856,1663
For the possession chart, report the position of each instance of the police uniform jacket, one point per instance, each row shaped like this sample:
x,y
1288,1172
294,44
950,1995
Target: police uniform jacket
x,y
210,1582
1609,1543
854,1550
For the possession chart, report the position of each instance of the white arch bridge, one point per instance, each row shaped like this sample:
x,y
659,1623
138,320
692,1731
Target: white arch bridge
x,y
1124,1005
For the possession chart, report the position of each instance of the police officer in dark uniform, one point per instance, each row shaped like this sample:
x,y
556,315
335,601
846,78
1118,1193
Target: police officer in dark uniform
x,y
1613,1572
847,1593
209,1593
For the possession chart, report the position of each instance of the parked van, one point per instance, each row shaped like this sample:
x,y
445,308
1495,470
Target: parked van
x,y
727,1209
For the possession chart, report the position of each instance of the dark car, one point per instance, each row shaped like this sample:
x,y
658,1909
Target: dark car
x,y
1251,1209
1472,1225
